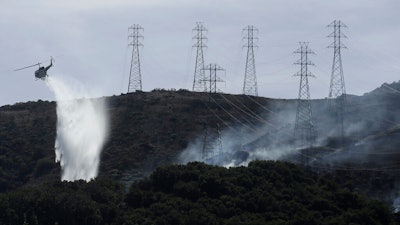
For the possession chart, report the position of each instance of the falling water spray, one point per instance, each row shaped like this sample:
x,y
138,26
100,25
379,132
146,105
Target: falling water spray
x,y
81,129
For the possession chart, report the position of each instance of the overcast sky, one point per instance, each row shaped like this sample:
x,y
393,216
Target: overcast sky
x,y
89,40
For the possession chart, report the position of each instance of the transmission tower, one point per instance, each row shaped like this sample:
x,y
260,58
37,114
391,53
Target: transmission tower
x,y
206,148
212,146
212,79
337,90
219,140
135,75
250,79
304,126
200,37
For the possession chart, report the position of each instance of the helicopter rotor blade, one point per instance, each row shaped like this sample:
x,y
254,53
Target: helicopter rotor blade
x,y
26,67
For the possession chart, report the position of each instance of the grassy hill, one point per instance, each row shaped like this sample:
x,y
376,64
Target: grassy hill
x,y
146,130
151,129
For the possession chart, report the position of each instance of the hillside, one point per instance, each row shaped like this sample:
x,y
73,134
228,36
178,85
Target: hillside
x,y
157,128
147,130
152,129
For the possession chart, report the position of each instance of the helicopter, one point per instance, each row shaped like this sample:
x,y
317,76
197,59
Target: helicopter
x,y
40,73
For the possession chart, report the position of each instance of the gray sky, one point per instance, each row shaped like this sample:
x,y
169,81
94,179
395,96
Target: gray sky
x,y
88,39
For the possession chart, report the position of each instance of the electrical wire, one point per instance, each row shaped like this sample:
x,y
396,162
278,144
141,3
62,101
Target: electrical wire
x,y
229,114
251,114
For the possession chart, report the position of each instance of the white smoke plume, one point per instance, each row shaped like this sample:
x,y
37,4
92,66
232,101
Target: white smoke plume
x,y
82,125
396,205
234,153
235,142
371,129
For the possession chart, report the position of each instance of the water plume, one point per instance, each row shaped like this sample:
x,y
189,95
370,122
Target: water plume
x,y
82,124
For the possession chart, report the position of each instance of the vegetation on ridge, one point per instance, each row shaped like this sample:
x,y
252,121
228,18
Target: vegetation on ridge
x,y
265,192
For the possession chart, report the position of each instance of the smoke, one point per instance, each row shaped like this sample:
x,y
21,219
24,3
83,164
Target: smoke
x,y
371,134
240,150
241,145
81,129
396,205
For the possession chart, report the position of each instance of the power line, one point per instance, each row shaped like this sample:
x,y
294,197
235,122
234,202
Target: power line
x,y
248,126
249,113
306,156
135,73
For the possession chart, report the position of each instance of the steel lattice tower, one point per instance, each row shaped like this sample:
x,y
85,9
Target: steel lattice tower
x,y
337,90
219,141
206,148
200,37
250,79
135,75
304,126
212,79
211,146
